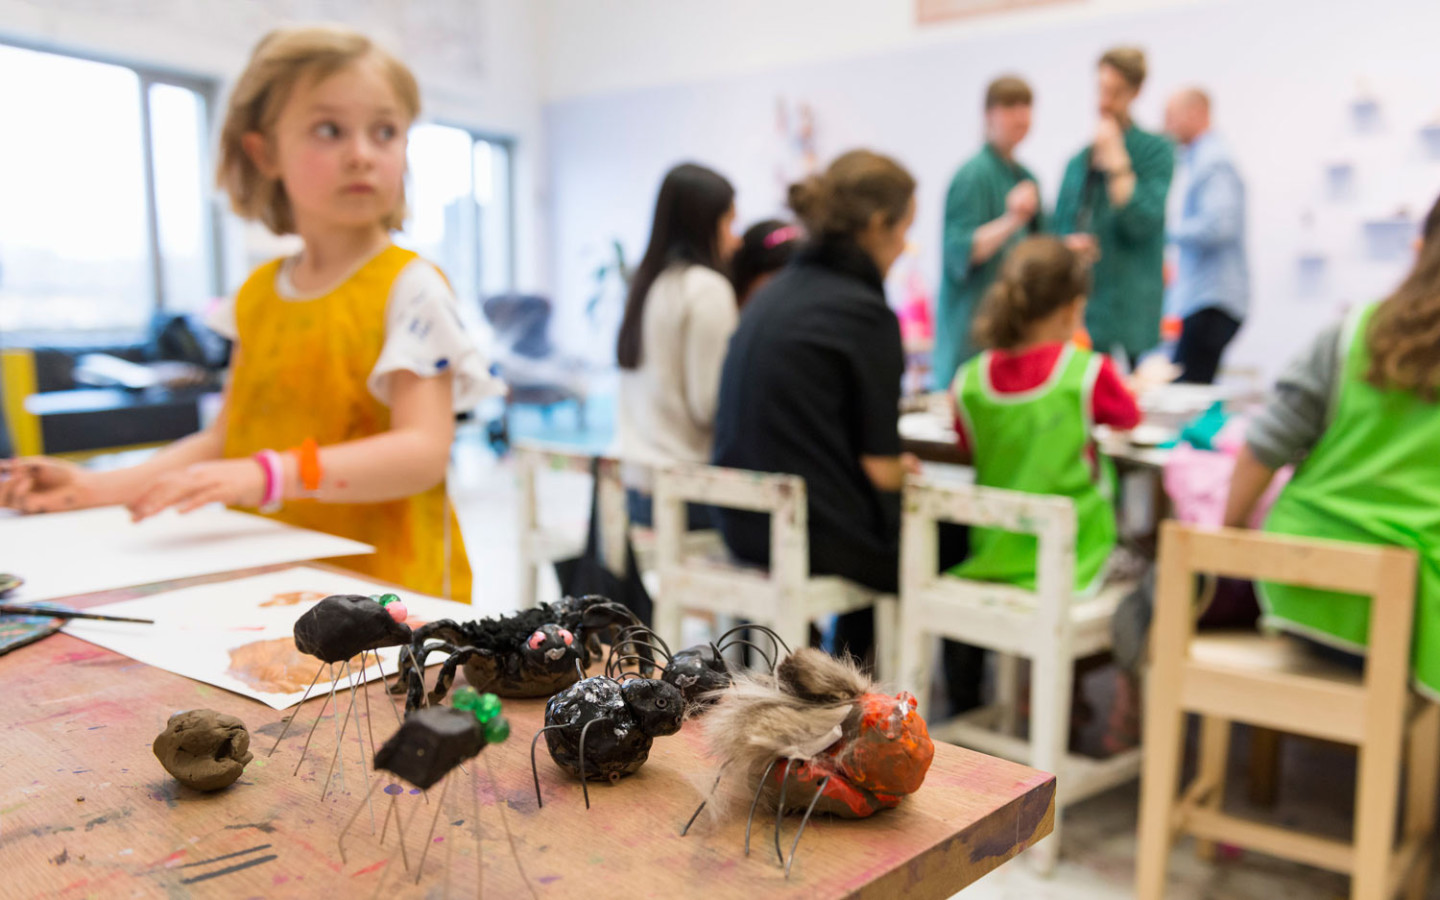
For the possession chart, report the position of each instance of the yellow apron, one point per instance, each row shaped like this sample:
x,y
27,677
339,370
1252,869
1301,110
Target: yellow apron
x,y
301,372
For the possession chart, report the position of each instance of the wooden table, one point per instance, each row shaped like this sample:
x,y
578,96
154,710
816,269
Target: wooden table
x,y
86,810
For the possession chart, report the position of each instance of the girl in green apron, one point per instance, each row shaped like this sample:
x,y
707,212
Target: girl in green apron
x,y
1026,406
1360,406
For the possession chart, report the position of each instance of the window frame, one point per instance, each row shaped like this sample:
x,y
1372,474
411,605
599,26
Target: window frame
x,y
147,75
508,142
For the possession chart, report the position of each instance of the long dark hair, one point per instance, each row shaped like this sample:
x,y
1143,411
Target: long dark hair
x,y
1404,335
766,248
692,201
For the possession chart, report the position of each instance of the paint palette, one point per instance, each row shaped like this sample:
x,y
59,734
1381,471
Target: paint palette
x,y
19,630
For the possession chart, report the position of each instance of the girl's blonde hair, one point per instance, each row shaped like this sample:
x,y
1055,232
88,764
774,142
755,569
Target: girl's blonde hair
x,y
1039,276
281,60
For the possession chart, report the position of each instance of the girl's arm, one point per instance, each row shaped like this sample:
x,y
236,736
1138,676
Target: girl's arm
x,y
43,484
1111,401
888,473
409,458
1247,485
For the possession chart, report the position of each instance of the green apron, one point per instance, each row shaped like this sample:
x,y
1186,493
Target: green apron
x,y
1039,442
1374,478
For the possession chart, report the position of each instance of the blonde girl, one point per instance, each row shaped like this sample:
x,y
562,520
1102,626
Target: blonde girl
x,y
350,361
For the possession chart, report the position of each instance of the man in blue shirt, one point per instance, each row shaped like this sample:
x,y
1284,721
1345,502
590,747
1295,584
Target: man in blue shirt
x,y
1211,290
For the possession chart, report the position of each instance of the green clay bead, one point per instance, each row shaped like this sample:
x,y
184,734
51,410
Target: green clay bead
x,y
497,730
466,698
487,708
386,599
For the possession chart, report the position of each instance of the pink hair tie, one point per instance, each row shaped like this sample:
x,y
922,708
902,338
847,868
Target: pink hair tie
x,y
780,236
269,461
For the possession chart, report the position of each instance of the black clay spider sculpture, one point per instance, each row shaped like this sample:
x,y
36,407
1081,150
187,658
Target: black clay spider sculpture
x,y
699,672
530,653
334,631
429,745
601,729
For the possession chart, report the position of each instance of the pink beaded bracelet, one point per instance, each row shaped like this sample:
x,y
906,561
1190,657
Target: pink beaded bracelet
x,y
269,461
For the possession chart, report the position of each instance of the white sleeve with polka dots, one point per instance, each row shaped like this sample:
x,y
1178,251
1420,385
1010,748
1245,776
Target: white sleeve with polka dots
x,y
425,335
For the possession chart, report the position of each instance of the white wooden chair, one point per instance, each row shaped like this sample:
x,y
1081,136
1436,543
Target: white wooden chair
x,y
1050,626
1268,681
539,546
787,598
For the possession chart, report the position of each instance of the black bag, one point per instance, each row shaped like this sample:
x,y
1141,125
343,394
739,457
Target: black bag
x,y
587,573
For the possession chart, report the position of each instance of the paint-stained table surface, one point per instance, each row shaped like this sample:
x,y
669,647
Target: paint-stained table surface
x,y
87,811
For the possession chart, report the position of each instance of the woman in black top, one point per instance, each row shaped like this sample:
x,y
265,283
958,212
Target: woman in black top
x,y
811,383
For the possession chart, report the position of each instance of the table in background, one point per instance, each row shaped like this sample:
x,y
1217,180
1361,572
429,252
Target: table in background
x,y
85,808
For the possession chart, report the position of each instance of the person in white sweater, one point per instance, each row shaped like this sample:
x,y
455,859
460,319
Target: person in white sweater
x,y
678,319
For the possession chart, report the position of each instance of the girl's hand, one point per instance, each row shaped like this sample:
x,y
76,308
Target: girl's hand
x,y
234,482
38,484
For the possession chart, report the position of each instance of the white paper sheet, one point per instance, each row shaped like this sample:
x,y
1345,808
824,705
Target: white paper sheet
x,y
239,635
64,554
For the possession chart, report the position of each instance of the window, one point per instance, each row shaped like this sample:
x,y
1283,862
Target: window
x,y
459,196
107,211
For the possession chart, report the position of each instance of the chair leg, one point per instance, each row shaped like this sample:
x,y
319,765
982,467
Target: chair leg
x,y
1159,779
915,658
793,628
1007,691
1052,674
1377,795
1264,766
529,585
887,622
667,618
1422,769
1214,756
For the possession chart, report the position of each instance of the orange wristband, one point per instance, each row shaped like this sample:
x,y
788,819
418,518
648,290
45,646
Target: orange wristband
x,y
308,454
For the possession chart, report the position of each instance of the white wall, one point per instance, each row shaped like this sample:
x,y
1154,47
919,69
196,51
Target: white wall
x,y
477,61
1283,74
602,46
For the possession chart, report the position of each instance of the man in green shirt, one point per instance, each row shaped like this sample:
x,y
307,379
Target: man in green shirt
x,y
1112,205
993,203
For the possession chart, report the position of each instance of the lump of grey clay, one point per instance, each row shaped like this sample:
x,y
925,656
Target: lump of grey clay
x,y
204,749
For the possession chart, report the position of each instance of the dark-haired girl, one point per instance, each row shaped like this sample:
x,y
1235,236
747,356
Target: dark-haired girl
x,y
766,248
678,319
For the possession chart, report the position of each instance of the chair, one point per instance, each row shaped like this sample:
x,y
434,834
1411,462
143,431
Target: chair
x,y
787,598
541,547
1050,626
1268,681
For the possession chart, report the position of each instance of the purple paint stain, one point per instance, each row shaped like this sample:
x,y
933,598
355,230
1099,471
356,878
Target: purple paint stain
x,y
439,839
548,879
394,789
414,790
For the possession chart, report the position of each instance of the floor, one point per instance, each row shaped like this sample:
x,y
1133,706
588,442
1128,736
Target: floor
x,y
1098,858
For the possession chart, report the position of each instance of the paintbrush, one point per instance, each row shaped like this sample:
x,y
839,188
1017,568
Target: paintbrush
x,y
48,612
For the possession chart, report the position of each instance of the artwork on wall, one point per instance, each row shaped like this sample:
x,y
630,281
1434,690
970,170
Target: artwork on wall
x,y
1365,113
799,153
1390,238
1340,181
1430,139
929,12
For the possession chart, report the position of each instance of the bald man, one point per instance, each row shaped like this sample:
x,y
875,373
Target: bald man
x,y
1211,290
